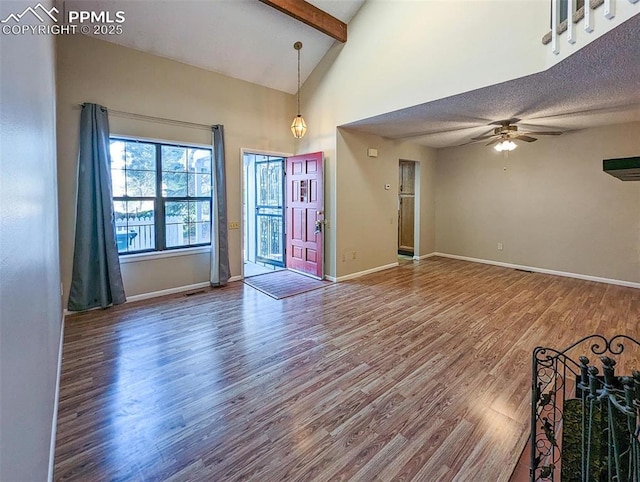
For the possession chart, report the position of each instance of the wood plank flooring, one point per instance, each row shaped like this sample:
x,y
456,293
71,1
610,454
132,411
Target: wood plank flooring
x,y
420,372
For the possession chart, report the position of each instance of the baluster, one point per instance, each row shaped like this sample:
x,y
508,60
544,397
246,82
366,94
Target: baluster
x,y
608,365
584,367
588,17
593,382
571,28
609,9
554,27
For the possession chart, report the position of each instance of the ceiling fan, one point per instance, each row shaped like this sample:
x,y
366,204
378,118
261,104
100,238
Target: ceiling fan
x,y
503,137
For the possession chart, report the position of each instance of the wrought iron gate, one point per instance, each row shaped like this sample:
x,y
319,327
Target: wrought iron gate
x,y
584,420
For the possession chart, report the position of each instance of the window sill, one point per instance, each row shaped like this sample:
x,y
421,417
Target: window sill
x,y
135,258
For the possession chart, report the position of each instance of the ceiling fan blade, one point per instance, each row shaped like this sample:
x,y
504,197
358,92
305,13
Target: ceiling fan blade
x,y
495,141
522,137
482,138
545,133
506,122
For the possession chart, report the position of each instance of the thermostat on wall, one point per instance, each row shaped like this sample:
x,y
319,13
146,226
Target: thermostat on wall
x,y
372,152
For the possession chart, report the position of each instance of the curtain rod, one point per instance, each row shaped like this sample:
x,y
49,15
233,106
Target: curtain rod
x,y
131,115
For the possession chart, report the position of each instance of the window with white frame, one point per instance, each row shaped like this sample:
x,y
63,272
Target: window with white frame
x,y
161,195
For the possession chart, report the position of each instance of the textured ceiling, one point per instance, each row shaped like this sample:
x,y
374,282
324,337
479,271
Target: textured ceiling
x,y
244,39
598,85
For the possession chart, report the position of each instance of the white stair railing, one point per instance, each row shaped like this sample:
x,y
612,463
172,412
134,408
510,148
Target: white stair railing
x,y
585,13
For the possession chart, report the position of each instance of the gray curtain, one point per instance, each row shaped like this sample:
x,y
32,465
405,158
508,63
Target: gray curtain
x,y
220,273
96,279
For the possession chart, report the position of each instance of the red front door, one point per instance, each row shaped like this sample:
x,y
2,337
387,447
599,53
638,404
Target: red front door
x,y
305,214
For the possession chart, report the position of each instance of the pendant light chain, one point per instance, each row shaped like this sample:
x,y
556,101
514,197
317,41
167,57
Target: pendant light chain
x,y
298,81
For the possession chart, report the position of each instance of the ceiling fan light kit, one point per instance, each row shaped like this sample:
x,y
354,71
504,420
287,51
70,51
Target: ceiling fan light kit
x,y
505,145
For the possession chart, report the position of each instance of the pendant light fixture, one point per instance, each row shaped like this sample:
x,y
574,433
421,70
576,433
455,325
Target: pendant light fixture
x,y
298,127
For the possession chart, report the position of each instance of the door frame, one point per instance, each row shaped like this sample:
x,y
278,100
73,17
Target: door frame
x,y
243,221
416,209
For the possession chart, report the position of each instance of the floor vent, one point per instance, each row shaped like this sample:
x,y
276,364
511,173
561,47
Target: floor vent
x,y
191,293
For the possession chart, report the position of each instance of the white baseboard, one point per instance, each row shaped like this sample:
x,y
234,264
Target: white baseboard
x,y
54,422
424,256
170,291
155,294
362,273
597,279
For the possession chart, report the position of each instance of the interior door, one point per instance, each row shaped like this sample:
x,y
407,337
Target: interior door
x,y
305,214
406,207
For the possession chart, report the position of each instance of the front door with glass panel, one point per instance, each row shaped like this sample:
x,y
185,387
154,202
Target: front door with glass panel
x,y
269,211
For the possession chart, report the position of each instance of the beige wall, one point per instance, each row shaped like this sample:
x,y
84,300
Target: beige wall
x,y
394,59
30,305
404,53
91,70
549,203
367,221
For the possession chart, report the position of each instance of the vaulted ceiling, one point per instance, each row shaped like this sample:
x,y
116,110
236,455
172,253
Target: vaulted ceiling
x,y
248,40
244,39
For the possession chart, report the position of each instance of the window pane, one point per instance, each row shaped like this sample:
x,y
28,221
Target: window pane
x,y
133,168
140,156
199,211
174,184
200,160
199,233
118,182
199,184
140,183
174,158
176,223
116,150
135,225
187,223
199,172
117,168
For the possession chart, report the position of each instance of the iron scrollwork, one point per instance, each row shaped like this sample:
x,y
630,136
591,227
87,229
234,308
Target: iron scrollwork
x,y
584,425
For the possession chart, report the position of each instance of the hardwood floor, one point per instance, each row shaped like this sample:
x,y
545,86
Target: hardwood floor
x,y
420,372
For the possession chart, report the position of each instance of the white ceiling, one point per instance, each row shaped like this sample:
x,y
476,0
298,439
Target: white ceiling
x,y
598,85
244,39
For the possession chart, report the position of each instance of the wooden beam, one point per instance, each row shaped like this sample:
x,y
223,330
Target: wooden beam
x,y
312,16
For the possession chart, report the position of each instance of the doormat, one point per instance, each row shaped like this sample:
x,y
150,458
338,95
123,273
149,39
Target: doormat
x,y
284,283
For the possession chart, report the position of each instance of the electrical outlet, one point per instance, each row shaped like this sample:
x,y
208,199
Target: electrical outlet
x,y
234,225
353,255
500,247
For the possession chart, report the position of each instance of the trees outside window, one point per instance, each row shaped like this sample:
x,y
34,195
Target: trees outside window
x,y
161,195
